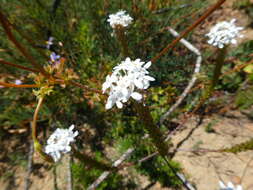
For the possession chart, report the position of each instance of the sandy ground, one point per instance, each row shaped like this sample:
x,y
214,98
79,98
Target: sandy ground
x,y
206,169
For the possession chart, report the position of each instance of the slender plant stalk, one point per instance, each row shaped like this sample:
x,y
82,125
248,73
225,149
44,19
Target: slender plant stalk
x,y
5,24
220,60
153,131
143,111
120,34
217,70
18,66
37,145
189,29
35,117
85,87
19,86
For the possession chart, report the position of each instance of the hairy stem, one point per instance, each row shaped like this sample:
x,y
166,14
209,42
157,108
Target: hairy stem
x,y
153,131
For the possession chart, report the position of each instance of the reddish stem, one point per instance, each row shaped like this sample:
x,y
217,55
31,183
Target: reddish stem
x,y
19,86
18,66
189,29
5,23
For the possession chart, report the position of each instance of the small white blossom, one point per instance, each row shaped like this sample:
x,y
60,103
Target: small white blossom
x,y
230,186
120,18
18,82
126,77
49,43
224,33
59,142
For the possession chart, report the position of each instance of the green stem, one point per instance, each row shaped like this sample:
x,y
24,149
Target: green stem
x,y
242,147
220,60
153,131
91,161
143,111
35,117
217,70
120,33
37,145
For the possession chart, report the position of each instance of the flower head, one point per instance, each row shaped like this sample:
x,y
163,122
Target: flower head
x,y
54,58
18,82
120,18
59,142
49,42
229,186
126,77
224,33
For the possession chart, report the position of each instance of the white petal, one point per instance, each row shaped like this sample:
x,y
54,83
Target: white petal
x,y
108,105
137,96
147,65
149,78
239,187
222,185
230,184
72,127
138,84
119,104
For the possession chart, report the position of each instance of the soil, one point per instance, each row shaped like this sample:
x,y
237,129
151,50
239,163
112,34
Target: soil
x,y
228,130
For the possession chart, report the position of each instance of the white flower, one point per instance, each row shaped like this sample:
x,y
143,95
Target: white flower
x,y
49,43
224,33
59,142
229,186
120,18
18,82
125,78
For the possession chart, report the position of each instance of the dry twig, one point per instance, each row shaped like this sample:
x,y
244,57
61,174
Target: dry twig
x,y
193,49
29,167
105,174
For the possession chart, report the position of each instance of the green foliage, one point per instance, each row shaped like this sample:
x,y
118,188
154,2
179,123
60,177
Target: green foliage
x,y
83,177
242,147
244,97
156,168
209,127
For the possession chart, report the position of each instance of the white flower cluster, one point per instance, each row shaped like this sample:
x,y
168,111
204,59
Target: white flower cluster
x,y
120,18
224,33
229,186
125,78
59,142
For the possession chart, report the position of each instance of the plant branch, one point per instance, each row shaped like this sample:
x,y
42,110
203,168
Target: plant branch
x,y
189,29
105,174
35,117
29,167
18,66
193,79
19,86
5,24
